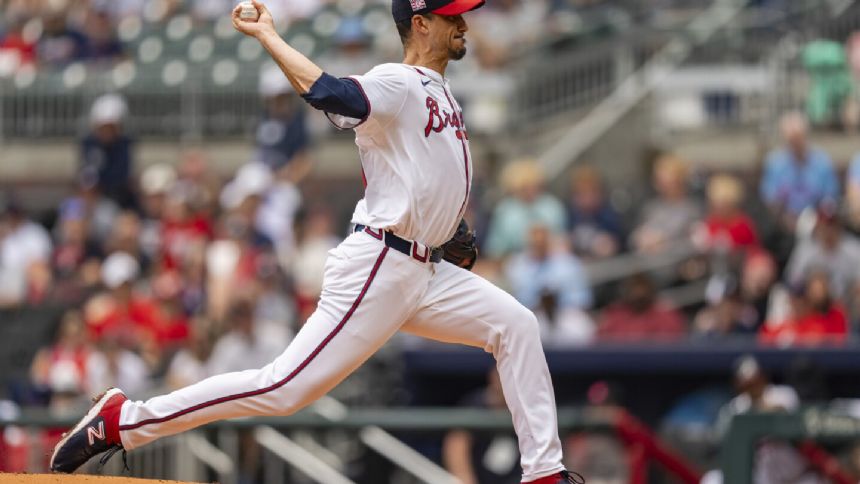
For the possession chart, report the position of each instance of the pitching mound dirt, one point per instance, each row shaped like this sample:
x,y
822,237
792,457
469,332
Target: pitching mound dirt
x,y
76,479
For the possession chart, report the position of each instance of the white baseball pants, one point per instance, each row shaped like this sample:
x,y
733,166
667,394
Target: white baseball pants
x,y
370,292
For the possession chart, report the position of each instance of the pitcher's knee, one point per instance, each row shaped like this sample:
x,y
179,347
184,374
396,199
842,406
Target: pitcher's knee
x,y
289,401
285,396
522,323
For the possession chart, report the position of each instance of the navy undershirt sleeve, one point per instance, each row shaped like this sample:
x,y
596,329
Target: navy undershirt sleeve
x,y
338,96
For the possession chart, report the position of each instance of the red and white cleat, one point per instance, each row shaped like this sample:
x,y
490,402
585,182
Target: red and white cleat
x,y
96,433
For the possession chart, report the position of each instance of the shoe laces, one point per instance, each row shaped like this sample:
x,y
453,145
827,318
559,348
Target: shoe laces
x,y
573,477
110,453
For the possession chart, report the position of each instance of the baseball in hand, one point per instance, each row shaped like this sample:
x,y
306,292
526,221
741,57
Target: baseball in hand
x,y
249,12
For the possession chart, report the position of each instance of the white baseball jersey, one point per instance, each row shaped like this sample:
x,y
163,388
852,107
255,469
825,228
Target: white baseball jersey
x,y
414,154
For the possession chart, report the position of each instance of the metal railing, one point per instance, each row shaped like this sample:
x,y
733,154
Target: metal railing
x,y
563,83
766,45
791,80
809,428
303,460
560,83
49,109
747,78
386,445
185,457
637,86
193,456
618,267
754,32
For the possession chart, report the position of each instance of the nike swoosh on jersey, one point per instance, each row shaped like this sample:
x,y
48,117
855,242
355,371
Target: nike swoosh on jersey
x,y
423,83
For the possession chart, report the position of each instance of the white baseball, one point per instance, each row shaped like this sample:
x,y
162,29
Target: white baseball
x,y
249,12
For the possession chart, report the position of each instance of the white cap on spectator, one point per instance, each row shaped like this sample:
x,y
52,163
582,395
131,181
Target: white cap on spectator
x,y
8,410
746,368
108,109
56,7
157,179
273,82
252,179
118,269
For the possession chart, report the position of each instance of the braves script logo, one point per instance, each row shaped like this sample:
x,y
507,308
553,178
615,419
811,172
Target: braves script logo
x,y
440,119
93,434
418,5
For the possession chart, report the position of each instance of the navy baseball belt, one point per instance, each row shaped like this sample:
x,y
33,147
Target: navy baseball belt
x,y
416,250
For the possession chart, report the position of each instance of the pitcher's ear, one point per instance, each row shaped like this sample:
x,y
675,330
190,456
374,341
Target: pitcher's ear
x,y
420,23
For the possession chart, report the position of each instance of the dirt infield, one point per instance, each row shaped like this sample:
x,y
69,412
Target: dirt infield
x,y
75,479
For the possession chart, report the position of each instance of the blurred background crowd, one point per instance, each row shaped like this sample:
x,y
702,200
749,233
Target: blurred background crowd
x,y
56,33
164,266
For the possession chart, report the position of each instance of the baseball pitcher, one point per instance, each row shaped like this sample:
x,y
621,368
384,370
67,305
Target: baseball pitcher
x,y
404,267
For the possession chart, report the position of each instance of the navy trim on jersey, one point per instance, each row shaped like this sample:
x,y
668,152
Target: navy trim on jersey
x,y
462,136
338,96
288,378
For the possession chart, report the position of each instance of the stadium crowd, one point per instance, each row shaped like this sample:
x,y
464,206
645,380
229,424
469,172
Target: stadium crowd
x,y
174,272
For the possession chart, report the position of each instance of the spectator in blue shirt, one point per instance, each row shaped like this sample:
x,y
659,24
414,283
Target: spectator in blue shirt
x,y
104,44
106,151
282,135
526,203
852,194
60,44
797,176
551,281
547,266
593,223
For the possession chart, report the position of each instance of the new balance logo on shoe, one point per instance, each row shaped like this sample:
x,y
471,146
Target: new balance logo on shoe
x,y
93,433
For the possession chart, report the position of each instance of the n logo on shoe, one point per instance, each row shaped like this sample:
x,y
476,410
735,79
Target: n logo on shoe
x,y
93,433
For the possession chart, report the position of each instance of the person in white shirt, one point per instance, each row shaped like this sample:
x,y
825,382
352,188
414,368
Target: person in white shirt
x,y
24,246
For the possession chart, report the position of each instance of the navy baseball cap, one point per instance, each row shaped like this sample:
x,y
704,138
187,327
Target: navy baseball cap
x,y
405,9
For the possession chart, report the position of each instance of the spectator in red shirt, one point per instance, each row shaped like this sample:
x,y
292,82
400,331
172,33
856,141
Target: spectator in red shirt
x,y
737,305
15,49
820,298
182,230
640,315
815,318
121,313
60,370
726,227
76,258
173,330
